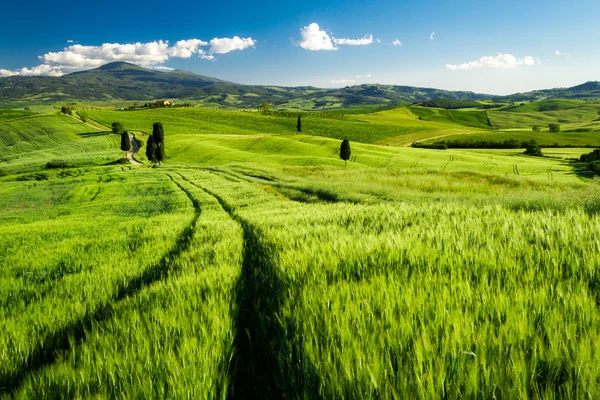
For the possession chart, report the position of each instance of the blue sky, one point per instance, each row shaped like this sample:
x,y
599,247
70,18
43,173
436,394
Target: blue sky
x,y
491,47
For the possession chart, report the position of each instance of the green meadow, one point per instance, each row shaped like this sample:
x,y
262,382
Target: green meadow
x,y
253,263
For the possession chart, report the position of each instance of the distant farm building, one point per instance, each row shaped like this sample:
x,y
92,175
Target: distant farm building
x,y
165,103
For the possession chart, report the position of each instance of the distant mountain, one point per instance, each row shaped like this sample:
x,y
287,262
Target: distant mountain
x,y
125,81
588,90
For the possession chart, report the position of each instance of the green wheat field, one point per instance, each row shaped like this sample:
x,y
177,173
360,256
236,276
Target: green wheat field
x,y
253,263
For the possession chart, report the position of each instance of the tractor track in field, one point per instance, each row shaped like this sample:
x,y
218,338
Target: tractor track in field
x,y
260,292
47,352
23,138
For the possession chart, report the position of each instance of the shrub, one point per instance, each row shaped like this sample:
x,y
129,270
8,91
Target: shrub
x,y
57,164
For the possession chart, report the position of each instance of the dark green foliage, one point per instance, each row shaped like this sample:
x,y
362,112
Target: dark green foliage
x,y
66,110
554,127
532,148
536,128
160,152
125,141
151,149
299,124
450,104
57,164
590,157
345,151
117,128
158,133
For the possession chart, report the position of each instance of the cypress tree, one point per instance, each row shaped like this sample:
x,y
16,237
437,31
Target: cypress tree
x,y
160,152
345,151
125,142
151,149
158,132
299,124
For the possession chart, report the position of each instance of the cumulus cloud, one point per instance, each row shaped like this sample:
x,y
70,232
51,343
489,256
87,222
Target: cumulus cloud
x,y
225,45
69,41
397,43
314,38
368,39
77,57
501,61
341,81
432,36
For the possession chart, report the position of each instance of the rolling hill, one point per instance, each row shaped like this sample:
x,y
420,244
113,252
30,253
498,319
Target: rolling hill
x,y
124,81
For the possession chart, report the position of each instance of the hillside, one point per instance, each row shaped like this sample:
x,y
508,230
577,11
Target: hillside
x,y
124,81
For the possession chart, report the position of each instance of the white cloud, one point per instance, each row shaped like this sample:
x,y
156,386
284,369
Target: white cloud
x,y
560,53
363,76
187,48
163,68
69,41
313,38
432,36
77,57
5,73
225,45
502,61
341,81
397,43
368,39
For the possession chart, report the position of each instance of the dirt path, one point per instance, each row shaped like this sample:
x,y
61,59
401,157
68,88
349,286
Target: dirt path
x,y
135,147
91,126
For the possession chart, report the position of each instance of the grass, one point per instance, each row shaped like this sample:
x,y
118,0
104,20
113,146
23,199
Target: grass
x,y
253,262
30,142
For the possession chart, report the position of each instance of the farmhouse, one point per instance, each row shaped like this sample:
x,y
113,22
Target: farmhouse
x,y
165,103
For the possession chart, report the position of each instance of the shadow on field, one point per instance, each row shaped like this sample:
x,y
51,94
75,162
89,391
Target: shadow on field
x,y
266,363
92,134
74,333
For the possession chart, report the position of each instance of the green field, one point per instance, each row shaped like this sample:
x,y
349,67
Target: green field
x,y
252,263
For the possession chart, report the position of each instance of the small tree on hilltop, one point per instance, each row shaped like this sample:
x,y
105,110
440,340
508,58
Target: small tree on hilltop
x,y
299,124
117,128
125,142
554,128
151,149
345,151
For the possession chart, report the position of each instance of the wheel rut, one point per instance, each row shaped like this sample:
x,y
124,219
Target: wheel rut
x,y
49,349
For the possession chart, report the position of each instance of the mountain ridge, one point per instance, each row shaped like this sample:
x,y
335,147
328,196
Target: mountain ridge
x,y
125,81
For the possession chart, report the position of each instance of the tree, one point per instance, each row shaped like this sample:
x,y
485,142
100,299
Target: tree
x,y
158,132
266,108
532,148
299,124
160,152
117,128
66,110
554,128
536,128
345,151
151,149
158,137
125,142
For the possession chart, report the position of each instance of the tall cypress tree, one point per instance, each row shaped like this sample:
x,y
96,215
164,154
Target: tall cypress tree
x,y
158,135
345,151
151,149
160,152
299,124
125,142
